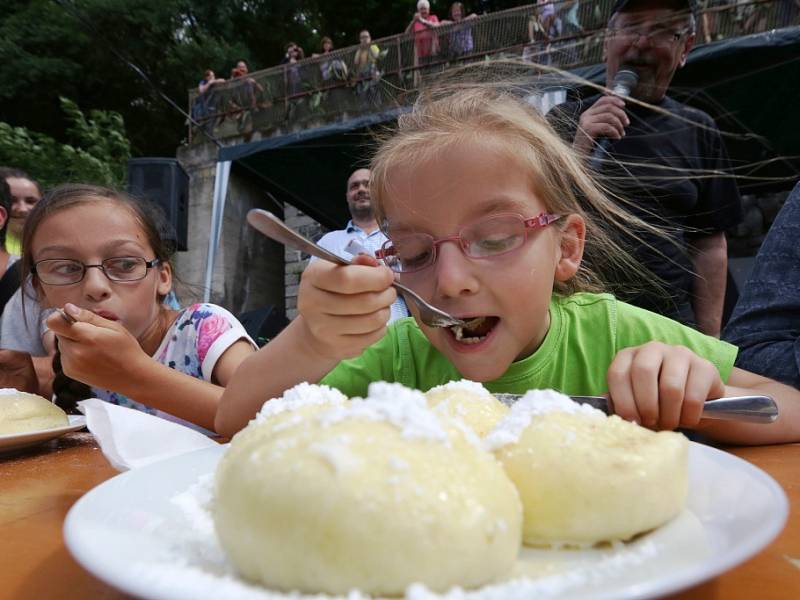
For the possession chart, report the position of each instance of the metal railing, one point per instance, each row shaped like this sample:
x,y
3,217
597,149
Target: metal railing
x,y
361,80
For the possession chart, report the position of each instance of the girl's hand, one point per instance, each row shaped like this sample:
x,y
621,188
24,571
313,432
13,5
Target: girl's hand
x,y
96,351
661,386
345,308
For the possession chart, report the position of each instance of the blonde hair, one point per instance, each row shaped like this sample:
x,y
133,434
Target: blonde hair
x,y
488,114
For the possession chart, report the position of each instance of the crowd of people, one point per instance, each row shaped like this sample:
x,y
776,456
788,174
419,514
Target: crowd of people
x,y
512,222
559,32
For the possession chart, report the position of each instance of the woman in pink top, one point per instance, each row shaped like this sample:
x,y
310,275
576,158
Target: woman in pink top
x,y
426,43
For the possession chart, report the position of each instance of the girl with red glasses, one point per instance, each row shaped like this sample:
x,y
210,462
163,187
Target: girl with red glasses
x,y
493,219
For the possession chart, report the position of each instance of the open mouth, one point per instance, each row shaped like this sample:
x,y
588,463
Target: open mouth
x,y
475,330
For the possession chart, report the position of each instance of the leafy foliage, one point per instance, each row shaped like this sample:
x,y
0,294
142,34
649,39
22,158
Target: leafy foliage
x,y
99,152
85,49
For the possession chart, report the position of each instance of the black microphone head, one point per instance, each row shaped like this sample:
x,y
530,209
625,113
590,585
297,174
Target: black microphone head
x,y
626,78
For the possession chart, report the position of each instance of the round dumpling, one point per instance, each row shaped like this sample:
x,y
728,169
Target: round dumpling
x,y
372,494
21,412
468,401
584,477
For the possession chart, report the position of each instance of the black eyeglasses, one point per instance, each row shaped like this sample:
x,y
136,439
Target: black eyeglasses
x,y
658,36
493,236
65,271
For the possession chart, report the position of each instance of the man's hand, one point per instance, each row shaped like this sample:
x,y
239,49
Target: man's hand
x,y
606,118
96,351
662,386
16,371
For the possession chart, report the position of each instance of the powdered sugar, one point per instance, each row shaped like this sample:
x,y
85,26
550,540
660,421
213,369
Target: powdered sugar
x,y
462,385
392,403
534,403
303,394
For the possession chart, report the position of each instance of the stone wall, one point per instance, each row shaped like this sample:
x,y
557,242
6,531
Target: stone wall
x,y
248,272
295,260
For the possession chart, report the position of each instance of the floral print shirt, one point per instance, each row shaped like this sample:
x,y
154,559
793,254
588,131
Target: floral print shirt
x,y
197,339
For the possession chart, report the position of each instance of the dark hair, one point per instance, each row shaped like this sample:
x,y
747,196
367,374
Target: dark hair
x,y
10,172
62,197
455,5
5,204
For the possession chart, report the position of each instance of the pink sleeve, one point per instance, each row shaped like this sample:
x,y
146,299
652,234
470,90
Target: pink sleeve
x,y
211,328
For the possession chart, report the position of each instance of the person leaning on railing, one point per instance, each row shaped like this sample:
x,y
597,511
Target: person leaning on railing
x,y
335,68
426,42
294,79
459,38
205,105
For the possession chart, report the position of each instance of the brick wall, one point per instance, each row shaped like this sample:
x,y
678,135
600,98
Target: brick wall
x,y
296,261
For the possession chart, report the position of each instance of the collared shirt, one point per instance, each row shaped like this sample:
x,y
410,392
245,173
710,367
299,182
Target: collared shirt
x,y
342,243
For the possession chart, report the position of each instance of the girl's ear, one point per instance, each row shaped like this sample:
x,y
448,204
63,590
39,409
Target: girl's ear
x,y
572,236
164,274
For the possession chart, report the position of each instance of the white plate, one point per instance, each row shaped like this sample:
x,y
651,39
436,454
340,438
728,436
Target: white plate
x,y
146,532
17,441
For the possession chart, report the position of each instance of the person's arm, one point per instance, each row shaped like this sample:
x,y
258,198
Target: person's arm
x,y
202,88
410,26
709,255
104,354
706,28
343,309
785,429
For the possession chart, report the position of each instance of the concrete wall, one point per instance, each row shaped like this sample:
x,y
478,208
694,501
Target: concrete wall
x,y
249,269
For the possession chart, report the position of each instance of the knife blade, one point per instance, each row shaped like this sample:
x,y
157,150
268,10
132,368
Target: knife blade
x,y
751,409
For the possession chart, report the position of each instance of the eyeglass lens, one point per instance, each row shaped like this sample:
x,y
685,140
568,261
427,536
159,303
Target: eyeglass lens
x,y
492,237
65,271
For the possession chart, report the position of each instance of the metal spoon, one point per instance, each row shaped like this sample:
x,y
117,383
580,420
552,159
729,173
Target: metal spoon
x,y
272,227
752,409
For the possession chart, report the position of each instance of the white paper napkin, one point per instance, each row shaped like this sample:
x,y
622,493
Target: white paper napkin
x,y
131,438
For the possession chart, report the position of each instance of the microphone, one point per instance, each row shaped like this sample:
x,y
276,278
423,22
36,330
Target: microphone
x,y
624,83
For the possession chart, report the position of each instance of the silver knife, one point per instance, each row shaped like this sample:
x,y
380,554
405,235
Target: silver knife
x,y
750,409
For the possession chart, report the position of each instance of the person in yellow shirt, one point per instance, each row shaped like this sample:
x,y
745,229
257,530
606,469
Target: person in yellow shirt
x,y
25,193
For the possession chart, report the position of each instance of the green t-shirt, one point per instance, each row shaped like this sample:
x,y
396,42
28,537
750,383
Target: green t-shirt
x,y
586,332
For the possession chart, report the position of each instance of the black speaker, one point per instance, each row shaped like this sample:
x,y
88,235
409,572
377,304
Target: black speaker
x,y
263,324
163,181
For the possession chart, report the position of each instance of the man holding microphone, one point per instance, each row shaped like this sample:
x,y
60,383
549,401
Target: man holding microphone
x,y
666,159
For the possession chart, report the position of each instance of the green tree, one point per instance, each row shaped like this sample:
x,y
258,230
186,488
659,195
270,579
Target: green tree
x,y
85,50
99,151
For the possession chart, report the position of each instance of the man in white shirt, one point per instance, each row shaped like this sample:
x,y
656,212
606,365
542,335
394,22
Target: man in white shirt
x,y
362,233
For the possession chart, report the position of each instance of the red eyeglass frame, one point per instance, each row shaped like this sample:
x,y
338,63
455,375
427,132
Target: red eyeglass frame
x,y
539,221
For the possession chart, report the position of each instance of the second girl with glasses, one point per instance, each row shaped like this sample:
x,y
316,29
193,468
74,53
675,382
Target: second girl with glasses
x,y
99,255
489,215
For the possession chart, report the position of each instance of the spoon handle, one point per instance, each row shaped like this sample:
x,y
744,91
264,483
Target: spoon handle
x,y
272,227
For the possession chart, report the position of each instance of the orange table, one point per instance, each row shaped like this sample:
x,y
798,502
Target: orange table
x,y
38,487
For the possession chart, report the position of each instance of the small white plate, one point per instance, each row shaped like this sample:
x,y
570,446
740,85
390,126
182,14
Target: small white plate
x,y
145,534
16,441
